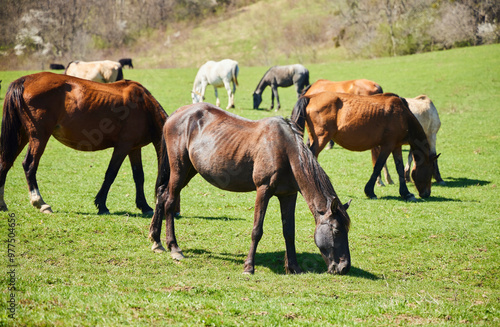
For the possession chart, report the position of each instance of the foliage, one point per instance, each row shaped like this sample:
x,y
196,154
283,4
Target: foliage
x,y
165,33
434,262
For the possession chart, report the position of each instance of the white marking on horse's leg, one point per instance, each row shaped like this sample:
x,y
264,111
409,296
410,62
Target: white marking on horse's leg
x,y
157,247
37,201
3,205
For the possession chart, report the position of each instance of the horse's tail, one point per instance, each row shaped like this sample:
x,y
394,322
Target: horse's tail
x,y
163,168
306,81
119,77
11,137
298,117
234,74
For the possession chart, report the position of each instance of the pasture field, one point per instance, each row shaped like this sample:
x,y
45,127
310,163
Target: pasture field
x,y
434,262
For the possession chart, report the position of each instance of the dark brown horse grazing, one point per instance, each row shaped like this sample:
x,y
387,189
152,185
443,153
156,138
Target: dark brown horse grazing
x,y
360,123
241,155
83,115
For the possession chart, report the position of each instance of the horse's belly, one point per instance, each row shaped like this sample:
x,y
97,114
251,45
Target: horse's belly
x,y
228,178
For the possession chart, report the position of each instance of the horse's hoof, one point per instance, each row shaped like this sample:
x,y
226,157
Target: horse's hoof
x,y
177,255
372,197
104,212
3,207
45,208
248,272
158,248
441,183
148,212
410,198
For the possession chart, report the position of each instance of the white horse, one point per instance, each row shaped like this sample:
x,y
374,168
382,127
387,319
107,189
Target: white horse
x,y
105,71
218,74
426,113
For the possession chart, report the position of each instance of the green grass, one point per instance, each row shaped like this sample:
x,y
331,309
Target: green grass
x,y
433,262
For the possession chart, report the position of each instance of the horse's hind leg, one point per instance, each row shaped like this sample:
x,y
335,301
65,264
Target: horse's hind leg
x,y
5,165
138,173
217,100
113,167
30,165
230,95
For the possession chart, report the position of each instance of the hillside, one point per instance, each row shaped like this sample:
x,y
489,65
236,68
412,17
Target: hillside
x,y
177,33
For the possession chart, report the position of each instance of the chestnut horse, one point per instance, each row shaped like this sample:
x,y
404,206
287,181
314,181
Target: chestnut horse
x,y
355,86
360,123
241,155
83,115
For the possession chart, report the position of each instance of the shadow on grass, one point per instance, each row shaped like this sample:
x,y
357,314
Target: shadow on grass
x,y
275,261
420,200
224,218
464,182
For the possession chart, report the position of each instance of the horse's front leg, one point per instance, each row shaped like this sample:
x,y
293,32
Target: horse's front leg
x,y
403,189
375,153
138,174
261,202
119,154
377,168
30,165
275,91
217,101
287,206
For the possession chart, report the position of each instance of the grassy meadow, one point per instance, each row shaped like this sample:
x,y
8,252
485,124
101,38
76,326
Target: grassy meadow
x,y
434,262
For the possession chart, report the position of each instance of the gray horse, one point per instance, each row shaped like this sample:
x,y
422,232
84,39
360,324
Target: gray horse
x,y
282,76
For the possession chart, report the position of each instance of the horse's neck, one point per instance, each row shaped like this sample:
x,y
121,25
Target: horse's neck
x,y
312,181
262,85
417,138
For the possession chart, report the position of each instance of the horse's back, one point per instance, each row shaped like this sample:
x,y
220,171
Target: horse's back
x,y
230,152
359,87
359,122
424,110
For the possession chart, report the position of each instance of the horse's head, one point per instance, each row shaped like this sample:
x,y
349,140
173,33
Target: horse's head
x,y
257,99
197,97
422,174
331,237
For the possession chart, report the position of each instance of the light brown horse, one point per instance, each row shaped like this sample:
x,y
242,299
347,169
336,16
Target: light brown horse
x,y
241,155
355,86
82,115
360,123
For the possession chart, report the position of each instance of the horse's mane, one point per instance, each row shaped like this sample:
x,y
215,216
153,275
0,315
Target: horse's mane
x,y
311,166
263,76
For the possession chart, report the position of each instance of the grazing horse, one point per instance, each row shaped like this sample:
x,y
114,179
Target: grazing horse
x,y
241,155
426,113
105,71
56,67
281,76
82,115
355,86
218,74
360,123
126,62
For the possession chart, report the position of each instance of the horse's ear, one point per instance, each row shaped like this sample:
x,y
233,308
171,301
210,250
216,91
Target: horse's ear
x,y
335,204
435,157
347,204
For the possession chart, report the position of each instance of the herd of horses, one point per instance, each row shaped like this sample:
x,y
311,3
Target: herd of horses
x,y
85,112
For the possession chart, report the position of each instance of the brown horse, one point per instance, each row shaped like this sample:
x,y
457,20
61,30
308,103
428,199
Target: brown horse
x,y
355,86
82,115
242,155
360,123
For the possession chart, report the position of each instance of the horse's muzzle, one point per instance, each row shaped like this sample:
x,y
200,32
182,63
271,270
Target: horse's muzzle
x,y
341,268
425,194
